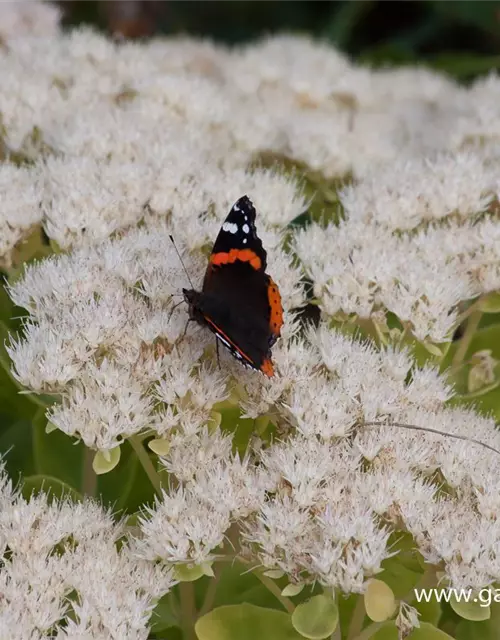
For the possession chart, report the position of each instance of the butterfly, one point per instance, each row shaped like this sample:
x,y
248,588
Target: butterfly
x,y
239,302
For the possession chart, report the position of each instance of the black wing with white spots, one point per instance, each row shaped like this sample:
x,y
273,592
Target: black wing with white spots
x,y
238,231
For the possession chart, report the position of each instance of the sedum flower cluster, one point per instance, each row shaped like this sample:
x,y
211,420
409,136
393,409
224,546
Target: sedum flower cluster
x,y
107,150
63,574
28,18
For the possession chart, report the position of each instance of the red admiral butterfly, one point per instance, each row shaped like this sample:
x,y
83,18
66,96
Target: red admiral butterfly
x,y
239,301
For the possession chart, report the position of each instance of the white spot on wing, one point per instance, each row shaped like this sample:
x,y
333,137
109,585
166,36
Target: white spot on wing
x,y
246,228
245,240
230,227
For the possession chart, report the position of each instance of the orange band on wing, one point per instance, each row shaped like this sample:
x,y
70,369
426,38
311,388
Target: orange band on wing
x,y
243,255
267,368
276,316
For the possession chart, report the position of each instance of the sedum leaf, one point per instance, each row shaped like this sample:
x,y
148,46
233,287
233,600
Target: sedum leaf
x,y
316,618
245,622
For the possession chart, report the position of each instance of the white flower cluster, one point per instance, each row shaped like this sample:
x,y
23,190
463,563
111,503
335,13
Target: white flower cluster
x,y
320,503
62,575
104,334
419,236
28,18
112,130
124,144
337,489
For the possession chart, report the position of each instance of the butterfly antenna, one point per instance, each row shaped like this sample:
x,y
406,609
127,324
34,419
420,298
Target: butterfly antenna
x,y
181,260
414,427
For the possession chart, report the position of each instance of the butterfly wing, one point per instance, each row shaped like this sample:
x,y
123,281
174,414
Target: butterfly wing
x,y
238,239
241,303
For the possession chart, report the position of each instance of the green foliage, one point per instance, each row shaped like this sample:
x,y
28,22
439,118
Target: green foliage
x,y
127,488
486,630
163,617
403,571
56,454
475,611
428,632
380,603
48,484
245,622
317,618
106,461
188,574
389,631
484,339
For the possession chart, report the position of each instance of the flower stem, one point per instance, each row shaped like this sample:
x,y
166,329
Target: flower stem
x,y
147,465
358,617
89,477
337,634
210,593
463,345
188,610
276,591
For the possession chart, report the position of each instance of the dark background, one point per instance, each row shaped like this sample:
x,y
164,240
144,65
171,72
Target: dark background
x,y
461,37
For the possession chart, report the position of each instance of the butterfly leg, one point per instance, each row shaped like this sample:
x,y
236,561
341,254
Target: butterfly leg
x,y
186,327
217,349
174,308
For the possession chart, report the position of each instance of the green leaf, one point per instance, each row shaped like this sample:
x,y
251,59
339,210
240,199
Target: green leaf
x,y
347,608
12,403
472,610
487,338
56,454
429,611
16,447
487,630
491,303
245,622
48,484
403,571
163,616
380,603
480,15
385,631
106,461
464,65
435,349
241,428
420,352
274,574
127,488
316,618
389,631
6,304
160,446
340,27
183,573
428,632
236,586
292,590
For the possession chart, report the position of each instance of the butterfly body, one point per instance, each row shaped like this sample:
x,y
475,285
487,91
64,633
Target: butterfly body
x,y
239,302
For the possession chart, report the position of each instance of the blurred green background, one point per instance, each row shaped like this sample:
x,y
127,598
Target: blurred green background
x,y
461,37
